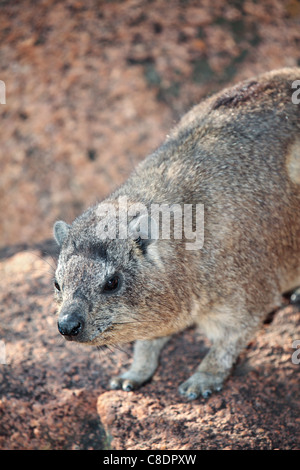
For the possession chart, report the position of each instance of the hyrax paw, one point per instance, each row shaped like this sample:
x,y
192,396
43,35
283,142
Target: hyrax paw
x,y
200,383
125,383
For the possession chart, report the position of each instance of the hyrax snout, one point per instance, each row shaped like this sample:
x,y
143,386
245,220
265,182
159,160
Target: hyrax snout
x,y
206,231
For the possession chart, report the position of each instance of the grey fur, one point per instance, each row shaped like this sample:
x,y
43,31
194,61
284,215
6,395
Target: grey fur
x,y
238,153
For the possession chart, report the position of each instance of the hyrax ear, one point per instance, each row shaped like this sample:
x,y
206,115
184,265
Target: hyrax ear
x,y
60,231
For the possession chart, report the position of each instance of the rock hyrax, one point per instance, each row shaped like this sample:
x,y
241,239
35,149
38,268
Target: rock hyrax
x,y
226,183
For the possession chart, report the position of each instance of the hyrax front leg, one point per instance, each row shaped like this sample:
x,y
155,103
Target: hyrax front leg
x,y
217,364
145,361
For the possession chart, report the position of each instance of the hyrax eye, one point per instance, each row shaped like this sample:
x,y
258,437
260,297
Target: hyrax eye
x,y
112,284
56,285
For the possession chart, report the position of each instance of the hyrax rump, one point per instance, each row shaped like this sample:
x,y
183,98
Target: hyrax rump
x,y
237,155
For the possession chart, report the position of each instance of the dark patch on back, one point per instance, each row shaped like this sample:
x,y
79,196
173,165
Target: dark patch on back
x,y
240,94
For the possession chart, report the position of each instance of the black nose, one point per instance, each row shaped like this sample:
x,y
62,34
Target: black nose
x,y
70,324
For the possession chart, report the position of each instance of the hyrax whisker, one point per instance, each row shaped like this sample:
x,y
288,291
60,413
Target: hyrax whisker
x,y
53,268
118,348
46,253
44,271
134,322
205,231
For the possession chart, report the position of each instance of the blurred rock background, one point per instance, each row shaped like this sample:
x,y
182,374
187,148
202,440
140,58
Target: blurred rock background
x,y
94,86
91,88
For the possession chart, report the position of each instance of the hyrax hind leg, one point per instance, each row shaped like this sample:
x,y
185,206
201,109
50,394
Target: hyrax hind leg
x,y
145,361
217,364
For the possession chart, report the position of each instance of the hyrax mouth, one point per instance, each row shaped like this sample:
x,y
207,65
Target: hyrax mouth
x,y
73,327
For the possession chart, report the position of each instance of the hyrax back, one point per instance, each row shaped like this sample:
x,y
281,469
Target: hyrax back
x,y
236,156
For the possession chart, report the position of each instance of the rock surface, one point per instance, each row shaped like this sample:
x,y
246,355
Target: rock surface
x,y
258,408
53,394
91,88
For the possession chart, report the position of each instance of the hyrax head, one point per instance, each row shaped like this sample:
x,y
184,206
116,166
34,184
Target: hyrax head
x,y
109,289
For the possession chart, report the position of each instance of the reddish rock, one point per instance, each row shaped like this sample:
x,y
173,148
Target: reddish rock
x,y
258,408
89,92
53,394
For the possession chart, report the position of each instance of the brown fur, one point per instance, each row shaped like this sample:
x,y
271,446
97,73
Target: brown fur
x,y
238,154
